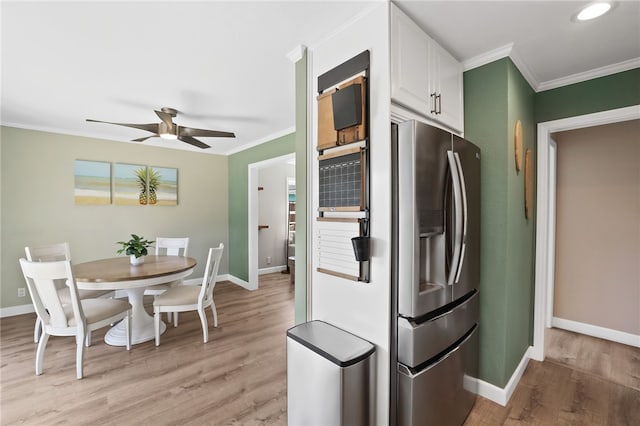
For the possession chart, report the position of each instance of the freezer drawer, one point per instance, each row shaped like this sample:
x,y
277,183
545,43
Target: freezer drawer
x,y
443,392
420,340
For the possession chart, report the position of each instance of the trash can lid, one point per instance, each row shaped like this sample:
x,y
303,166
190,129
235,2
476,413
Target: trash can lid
x,y
336,345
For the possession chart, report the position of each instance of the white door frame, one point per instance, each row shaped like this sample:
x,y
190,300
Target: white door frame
x,y
253,207
545,219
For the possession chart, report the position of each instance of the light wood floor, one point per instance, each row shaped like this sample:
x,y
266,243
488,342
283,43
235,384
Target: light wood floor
x,y
583,381
239,377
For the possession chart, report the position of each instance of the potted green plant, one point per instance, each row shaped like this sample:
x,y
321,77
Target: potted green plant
x,y
136,248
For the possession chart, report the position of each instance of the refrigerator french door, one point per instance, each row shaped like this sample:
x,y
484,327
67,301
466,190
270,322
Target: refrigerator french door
x,y
436,273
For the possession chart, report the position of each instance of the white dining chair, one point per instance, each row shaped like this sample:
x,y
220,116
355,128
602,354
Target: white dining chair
x,y
191,298
75,319
166,246
59,251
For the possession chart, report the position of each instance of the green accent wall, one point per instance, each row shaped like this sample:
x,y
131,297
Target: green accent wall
x,y
301,191
600,94
496,95
238,176
520,248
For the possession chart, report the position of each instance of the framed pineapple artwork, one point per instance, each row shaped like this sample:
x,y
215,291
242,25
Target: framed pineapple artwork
x,y
163,186
92,182
130,184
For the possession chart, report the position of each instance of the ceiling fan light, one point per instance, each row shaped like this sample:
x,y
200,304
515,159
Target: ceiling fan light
x,y
593,10
167,132
170,136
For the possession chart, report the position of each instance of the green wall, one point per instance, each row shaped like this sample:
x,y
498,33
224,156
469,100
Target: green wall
x,y
301,191
600,94
496,96
520,265
38,204
238,178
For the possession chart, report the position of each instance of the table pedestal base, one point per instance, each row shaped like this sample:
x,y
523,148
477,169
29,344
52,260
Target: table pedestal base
x,y
141,323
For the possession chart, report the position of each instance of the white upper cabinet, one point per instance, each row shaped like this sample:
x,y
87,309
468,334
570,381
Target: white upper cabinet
x,y
424,77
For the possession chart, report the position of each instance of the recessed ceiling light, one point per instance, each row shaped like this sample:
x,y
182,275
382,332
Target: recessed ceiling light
x,y
592,11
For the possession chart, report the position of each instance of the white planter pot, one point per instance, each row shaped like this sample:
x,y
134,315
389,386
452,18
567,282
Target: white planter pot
x,y
136,260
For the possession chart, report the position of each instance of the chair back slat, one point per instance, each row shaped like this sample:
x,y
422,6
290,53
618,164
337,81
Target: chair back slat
x,y
41,278
210,273
48,253
172,246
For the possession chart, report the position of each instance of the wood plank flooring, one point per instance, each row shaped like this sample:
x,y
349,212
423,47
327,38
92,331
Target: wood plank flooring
x,y
239,377
583,381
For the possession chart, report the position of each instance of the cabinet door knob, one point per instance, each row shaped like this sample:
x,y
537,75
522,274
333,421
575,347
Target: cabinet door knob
x,y
433,97
439,100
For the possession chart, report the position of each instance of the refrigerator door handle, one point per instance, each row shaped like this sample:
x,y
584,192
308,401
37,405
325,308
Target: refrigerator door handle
x,y
463,190
457,208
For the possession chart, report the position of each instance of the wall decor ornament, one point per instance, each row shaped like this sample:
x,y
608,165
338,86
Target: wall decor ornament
x,y
528,184
129,184
163,186
92,182
517,144
98,182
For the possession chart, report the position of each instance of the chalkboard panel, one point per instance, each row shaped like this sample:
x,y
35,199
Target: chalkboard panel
x,y
341,182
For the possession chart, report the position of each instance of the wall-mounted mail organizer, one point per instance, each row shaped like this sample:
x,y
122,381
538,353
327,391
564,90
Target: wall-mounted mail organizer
x,y
343,170
336,240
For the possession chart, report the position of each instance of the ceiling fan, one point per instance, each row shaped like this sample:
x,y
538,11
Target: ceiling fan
x,y
167,129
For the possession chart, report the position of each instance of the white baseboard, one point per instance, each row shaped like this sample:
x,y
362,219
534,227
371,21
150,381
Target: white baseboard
x,y
235,280
272,269
597,331
503,395
16,310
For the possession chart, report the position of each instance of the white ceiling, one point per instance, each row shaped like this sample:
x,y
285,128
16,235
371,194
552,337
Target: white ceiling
x,y
224,65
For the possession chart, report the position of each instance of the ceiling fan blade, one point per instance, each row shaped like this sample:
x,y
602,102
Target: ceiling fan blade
x,y
189,131
193,141
153,127
165,117
144,139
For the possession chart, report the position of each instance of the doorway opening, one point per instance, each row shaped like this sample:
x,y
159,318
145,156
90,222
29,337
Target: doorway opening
x,y
254,216
545,220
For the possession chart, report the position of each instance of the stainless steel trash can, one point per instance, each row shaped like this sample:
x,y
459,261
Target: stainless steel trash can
x,y
330,376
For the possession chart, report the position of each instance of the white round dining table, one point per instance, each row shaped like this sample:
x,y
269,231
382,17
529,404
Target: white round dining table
x,y
118,274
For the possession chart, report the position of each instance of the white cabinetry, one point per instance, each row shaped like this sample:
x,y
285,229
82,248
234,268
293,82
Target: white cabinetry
x,y
424,77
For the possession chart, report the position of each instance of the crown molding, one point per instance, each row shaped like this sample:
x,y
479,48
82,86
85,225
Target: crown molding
x,y
260,141
524,69
297,53
505,51
510,51
589,75
487,57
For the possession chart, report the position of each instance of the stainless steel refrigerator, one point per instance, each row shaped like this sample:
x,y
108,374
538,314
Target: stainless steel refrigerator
x,y
435,275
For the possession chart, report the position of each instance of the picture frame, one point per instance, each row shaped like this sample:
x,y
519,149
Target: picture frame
x,y
92,182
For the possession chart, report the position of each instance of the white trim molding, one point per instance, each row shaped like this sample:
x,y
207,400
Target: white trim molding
x,y
597,331
296,53
545,228
235,280
589,75
487,57
503,395
511,51
12,311
272,269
